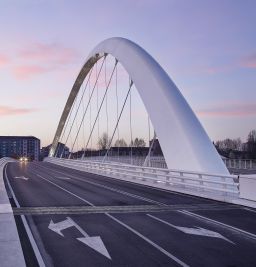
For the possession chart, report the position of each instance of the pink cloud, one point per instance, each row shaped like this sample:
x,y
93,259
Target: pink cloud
x,y
3,60
249,62
49,53
27,71
7,110
229,110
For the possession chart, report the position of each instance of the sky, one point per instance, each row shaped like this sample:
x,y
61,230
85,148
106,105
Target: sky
x,y
208,48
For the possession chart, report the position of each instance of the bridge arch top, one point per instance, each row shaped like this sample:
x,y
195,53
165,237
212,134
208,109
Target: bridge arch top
x,y
184,142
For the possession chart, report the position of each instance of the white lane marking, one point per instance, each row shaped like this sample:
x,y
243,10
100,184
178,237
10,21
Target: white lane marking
x,y
63,178
194,231
84,200
25,223
120,191
251,210
128,227
21,177
200,217
94,242
114,189
168,254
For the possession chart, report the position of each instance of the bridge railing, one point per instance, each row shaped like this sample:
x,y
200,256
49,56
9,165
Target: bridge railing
x,y
246,164
206,182
152,161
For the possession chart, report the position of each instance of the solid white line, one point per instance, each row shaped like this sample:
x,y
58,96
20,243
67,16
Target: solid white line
x,y
200,217
251,210
25,223
168,254
126,226
84,200
162,221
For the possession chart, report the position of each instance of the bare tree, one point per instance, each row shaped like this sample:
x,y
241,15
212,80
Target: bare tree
x,y
252,136
138,142
103,141
229,144
120,143
251,143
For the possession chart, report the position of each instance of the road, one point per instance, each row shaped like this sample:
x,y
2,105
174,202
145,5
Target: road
x,y
81,219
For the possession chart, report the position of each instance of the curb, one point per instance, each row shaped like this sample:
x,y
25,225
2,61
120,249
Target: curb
x,y
11,254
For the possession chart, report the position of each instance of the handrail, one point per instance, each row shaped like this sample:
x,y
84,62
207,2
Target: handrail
x,y
176,177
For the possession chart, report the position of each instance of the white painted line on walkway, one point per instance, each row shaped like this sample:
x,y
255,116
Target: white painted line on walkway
x,y
194,230
203,218
168,254
27,228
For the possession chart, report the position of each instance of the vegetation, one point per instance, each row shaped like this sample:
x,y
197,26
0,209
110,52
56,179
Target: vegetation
x,y
236,148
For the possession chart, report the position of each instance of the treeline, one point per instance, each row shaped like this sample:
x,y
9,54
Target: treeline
x,y
235,148
104,142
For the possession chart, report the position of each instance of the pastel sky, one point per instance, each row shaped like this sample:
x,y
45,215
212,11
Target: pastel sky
x,y
208,47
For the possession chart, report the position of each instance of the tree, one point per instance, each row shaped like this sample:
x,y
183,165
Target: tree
x,y
138,142
229,144
103,141
120,143
252,136
251,143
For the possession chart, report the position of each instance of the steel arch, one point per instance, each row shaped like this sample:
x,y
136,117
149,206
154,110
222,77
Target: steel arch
x,y
184,142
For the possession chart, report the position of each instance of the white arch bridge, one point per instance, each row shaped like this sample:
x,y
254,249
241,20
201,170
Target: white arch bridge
x,y
193,163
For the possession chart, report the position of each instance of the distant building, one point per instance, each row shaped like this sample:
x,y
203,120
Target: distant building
x,y
20,146
61,151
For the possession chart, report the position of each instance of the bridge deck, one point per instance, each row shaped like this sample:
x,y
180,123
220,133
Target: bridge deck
x,y
138,225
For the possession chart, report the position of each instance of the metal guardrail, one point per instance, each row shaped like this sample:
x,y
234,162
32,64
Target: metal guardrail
x,y
224,184
246,164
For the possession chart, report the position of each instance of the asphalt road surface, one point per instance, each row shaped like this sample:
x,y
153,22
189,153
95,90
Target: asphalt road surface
x,y
71,218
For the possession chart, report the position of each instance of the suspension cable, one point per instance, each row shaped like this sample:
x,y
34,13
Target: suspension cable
x,y
97,103
77,110
90,97
131,125
106,97
118,136
101,104
90,122
64,130
109,146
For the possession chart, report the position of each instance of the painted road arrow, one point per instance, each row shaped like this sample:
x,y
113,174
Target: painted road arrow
x,y
21,177
194,231
94,242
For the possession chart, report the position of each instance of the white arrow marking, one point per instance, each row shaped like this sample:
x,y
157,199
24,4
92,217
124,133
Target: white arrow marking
x,y
21,177
194,231
94,242
58,227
